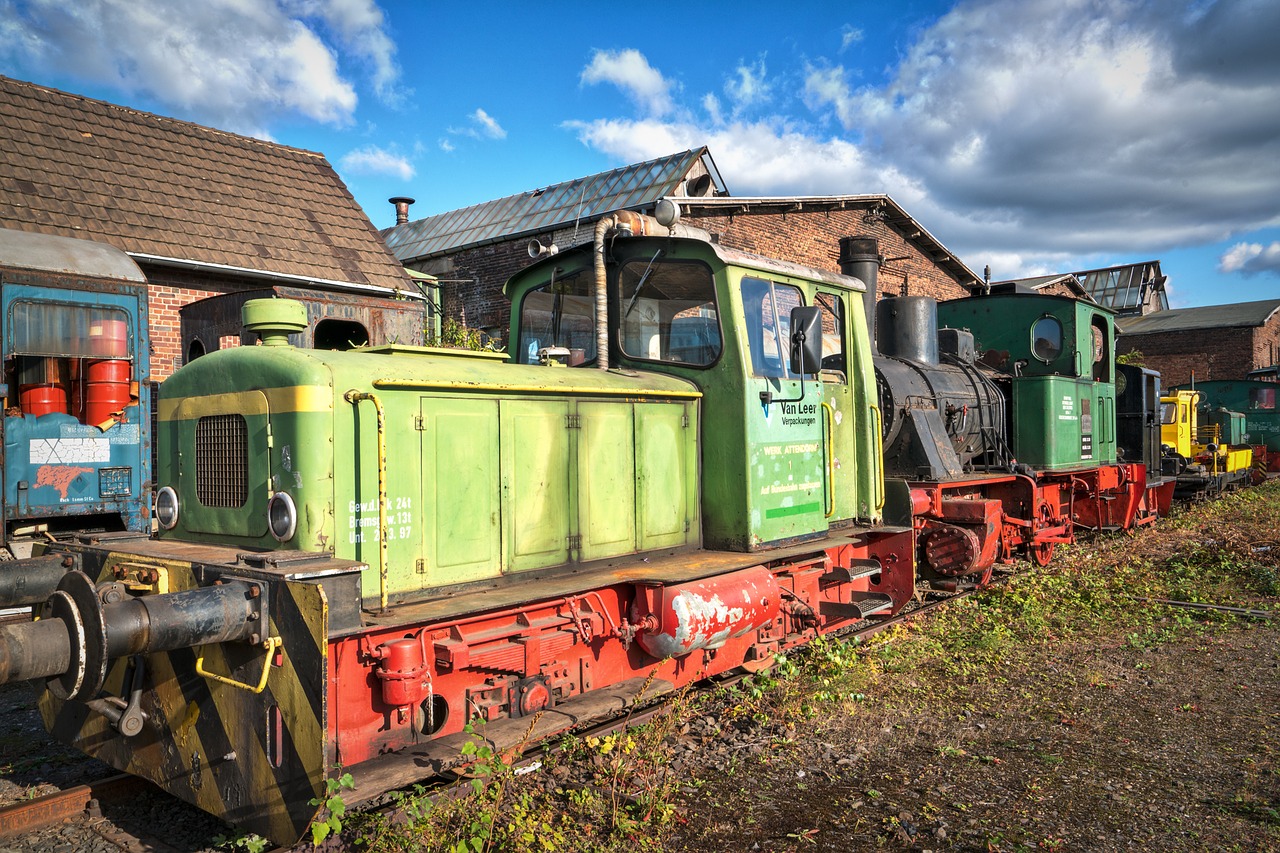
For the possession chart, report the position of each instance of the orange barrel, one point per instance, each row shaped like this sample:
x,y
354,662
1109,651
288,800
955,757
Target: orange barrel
x,y
109,338
107,390
44,398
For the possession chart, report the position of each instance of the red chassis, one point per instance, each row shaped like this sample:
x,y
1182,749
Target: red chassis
x,y
422,671
965,526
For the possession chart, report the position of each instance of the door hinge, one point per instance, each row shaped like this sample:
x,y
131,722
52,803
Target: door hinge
x,y
420,423
420,566
575,542
573,422
687,525
271,442
684,421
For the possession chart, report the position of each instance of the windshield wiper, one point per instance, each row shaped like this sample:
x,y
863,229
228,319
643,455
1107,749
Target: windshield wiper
x,y
644,279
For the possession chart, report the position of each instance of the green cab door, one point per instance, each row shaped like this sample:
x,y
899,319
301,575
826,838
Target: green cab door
x,y
840,457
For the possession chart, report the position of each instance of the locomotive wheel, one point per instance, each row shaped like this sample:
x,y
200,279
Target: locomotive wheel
x,y
1041,553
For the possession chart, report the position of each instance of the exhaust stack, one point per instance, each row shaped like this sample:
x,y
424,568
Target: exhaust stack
x,y
860,258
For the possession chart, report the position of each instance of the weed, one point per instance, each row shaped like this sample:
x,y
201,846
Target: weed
x,y
248,842
332,808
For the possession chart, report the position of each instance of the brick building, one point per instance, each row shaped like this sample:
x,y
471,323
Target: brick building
x,y
474,250
1213,342
201,211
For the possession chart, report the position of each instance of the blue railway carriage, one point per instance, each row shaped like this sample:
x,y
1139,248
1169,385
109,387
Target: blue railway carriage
x,y
77,403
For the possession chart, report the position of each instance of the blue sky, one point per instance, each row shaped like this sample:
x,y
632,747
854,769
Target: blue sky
x,y
1035,136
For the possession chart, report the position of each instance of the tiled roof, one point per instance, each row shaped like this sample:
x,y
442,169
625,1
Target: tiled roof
x,y
535,212
157,186
1208,317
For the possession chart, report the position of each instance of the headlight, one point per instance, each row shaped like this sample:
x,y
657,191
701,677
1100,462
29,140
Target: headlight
x,y
167,507
282,516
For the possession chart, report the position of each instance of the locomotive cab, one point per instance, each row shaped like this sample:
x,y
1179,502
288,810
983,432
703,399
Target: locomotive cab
x,y
1056,355
790,452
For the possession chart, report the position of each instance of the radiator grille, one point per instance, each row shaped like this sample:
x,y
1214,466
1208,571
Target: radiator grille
x,y
222,461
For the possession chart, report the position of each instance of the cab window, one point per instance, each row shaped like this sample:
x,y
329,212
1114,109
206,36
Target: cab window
x,y
1046,339
561,313
767,314
833,345
68,331
668,312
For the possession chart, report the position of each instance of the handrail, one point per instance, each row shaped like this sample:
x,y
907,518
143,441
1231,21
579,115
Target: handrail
x,y
879,443
355,397
270,644
829,428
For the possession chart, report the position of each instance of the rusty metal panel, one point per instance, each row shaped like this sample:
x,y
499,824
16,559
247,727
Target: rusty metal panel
x,y
206,322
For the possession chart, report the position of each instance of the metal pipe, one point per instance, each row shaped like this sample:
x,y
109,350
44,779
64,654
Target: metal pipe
x,y
180,620
354,397
33,580
33,650
602,296
860,258
81,633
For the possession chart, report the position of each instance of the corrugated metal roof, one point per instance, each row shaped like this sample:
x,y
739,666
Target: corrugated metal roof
x,y
585,199
1207,317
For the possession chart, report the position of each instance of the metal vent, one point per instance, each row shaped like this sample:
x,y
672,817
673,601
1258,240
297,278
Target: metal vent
x,y
222,461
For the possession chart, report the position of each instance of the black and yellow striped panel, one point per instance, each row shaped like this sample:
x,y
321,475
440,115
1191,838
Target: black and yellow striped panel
x,y
254,760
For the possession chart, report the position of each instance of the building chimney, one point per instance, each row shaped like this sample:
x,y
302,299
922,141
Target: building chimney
x,y
860,258
402,208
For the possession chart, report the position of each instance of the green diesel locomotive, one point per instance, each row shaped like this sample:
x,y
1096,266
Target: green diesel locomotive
x,y
361,552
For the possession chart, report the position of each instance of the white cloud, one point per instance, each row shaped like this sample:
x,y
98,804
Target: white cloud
x,y
1028,131
1251,259
632,73
446,146
763,158
711,104
372,160
849,35
361,27
228,63
488,126
1077,122
483,126
748,86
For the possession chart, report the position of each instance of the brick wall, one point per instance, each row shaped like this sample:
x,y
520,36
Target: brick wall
x,y
471,291
813,239
1210,353
168,290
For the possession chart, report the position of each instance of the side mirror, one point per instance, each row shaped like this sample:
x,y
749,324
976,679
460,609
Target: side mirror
x,y
806,339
